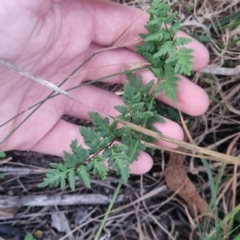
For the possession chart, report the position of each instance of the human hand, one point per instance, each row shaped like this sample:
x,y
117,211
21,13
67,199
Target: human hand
x,y
50,39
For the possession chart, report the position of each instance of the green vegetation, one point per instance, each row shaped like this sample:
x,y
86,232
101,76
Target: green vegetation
x,y
29,236
167,57
2,155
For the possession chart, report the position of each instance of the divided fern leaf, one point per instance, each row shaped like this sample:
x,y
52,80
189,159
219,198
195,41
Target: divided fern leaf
x,y
161,48
109,145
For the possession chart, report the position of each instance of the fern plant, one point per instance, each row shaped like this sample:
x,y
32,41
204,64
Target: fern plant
x,y
100,140
167,57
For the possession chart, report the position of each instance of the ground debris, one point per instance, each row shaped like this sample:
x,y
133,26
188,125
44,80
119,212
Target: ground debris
x,y
178,181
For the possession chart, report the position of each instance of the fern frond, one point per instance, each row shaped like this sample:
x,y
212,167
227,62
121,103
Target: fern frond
x,y
168,57
71,179
161,48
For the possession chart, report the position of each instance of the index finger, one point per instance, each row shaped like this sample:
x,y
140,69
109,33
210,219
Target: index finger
x,y
114,21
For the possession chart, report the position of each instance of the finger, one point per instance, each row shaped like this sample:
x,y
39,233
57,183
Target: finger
x,y
60,137
191,98
142,165
106,32
104,102
112,19
107,28
117,60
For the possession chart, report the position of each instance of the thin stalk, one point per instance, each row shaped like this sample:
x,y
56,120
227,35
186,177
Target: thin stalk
x,y
212,202
118,187
108,210
114,198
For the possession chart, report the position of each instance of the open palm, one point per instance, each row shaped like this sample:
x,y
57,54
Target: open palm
x,y
50,39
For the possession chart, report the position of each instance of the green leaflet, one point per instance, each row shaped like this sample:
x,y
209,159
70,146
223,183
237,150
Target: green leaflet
x,y
29,236
2,154
91,138
71,179
99,168
84,176
102,126
80,154
167,56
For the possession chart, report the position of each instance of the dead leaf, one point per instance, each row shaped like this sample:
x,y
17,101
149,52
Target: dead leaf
x,y
177,180
6,213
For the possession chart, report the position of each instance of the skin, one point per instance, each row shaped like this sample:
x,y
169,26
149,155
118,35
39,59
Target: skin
x,y
50,39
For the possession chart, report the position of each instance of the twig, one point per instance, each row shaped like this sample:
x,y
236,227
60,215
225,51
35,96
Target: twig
x,y
221,70
205,153
21,171
37,79
61,200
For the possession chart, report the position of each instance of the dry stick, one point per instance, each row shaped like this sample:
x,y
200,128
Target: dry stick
x,y
156,208
154,146
169,234
150,194
232,93
5,160
62,200
233,182
154,219
213,155
139,227
154,192
21,171
221,141
216,70
37,79
226,102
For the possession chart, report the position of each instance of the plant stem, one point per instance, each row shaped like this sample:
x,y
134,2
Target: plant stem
x,y
114,198
108,210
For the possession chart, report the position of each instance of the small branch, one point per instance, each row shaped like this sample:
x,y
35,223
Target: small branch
x,y
221,70
21,171
37,79
61,200
206,153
